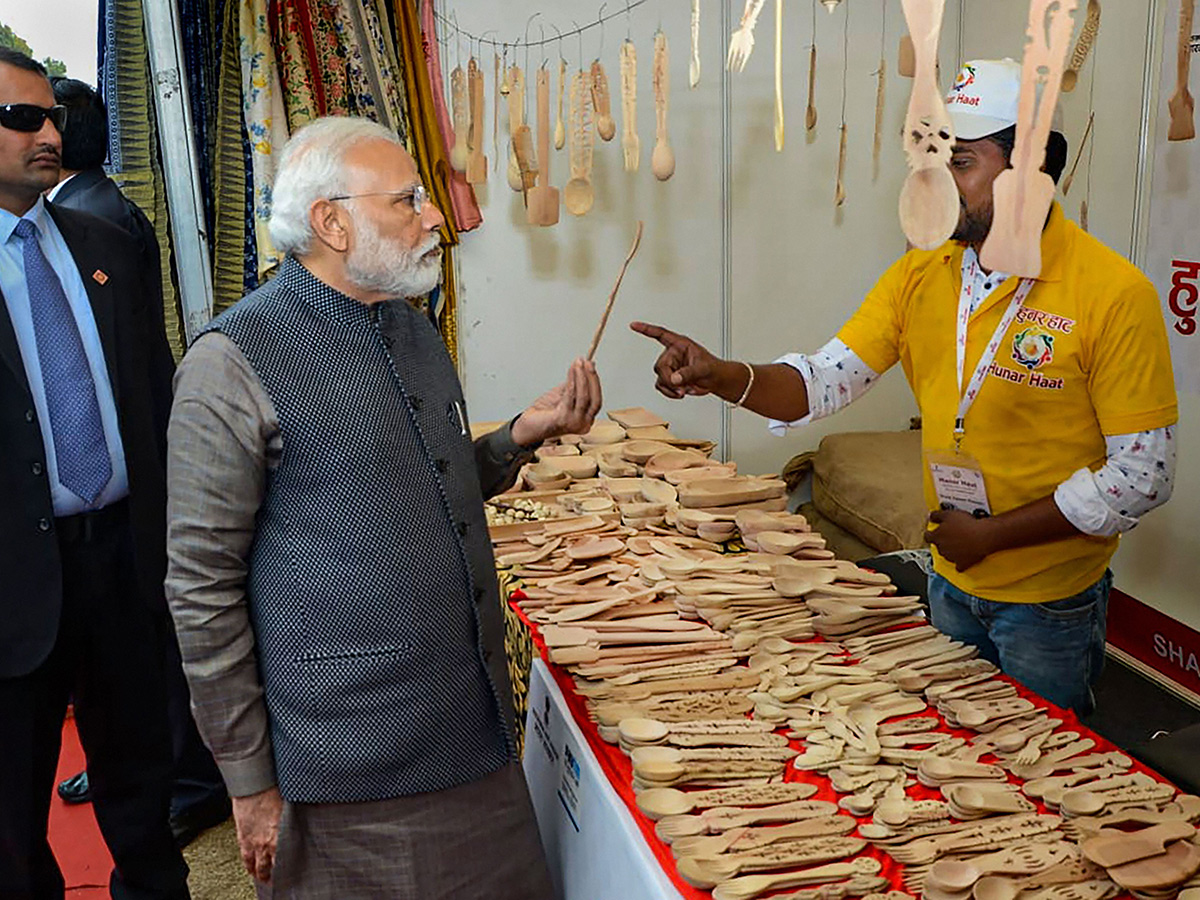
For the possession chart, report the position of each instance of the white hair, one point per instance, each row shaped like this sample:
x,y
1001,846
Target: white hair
x,y
313,167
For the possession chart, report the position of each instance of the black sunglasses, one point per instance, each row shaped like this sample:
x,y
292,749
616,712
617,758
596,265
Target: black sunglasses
x,y
27,117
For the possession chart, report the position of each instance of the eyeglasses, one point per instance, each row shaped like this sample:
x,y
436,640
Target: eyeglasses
x,y
29,118
417,196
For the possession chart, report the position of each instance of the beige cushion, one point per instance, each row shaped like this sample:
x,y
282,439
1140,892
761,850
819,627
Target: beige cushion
x,y
869,483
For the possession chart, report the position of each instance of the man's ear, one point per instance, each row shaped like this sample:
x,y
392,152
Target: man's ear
x,y
329,224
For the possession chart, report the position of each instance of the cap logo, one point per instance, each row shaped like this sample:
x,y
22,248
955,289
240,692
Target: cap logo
x,y
965,78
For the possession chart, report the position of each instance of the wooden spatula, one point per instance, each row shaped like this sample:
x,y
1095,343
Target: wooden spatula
x,y
1183,126
630,146
929,202
1022,195
460,113
476,161
542,209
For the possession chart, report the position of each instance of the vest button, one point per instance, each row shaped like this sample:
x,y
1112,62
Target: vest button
x,y
415,401
441,465
462,529
29,415
43,524
36,468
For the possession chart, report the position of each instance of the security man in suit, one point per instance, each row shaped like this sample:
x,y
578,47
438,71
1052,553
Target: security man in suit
x,y
198,798
84,397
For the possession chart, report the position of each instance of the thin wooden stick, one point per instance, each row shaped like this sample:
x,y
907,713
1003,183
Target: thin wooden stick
x,y
1066,186
637,242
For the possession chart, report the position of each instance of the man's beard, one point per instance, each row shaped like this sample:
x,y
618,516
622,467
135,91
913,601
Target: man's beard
x,y
388,268
973,225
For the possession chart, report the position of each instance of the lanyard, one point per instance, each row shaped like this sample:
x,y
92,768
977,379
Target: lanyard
x,y
967,397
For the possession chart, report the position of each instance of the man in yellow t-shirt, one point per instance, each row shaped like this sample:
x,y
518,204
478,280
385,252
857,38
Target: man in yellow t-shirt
x,y
1064,438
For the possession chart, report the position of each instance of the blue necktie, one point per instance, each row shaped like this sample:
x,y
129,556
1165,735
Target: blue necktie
x,y
84,467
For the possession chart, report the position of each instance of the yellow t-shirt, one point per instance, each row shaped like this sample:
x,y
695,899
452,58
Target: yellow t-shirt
x,y
1086,357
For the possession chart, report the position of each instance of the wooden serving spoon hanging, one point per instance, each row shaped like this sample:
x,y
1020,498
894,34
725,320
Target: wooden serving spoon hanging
x,y
630,145
516,120
810,111
1022,195
476,161
542,209
460,113
929,203
1183,126
560,130
495,108
694,62
839,194
662,160
1083,46
578,194
880,95
602,103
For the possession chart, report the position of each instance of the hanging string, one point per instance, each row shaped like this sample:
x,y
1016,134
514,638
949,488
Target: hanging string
x,y
845,58
579,29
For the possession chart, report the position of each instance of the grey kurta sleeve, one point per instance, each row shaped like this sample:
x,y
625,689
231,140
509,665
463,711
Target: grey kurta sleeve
x,y
498,458
223,435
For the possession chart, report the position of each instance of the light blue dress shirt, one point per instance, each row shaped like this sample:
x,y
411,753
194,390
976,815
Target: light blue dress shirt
x,y
16,297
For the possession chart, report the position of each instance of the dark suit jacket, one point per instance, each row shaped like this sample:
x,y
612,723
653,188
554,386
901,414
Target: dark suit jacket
x,y
129,316
94,192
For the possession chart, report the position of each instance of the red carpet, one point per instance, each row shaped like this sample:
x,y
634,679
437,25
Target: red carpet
x,y
76,839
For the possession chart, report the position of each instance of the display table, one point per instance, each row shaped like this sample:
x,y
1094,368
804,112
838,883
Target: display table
x,y
594,847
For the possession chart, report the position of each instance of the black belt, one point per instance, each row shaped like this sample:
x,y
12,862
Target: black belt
x,y
85,527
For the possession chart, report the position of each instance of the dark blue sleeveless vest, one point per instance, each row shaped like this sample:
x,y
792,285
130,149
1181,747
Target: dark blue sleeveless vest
x,y
372,587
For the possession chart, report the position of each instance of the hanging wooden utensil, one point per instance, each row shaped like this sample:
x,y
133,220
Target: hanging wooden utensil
x,y
778,76
526,158
694,62
602,103
1066,185
741,43
1083,215
543,199
1183,126
880,91
516,119
1022,195
637,242
460,113
578,194
476,161
810,112
1083,46
839,194
560,130
662,160
630,145
495,109
929,202
906,59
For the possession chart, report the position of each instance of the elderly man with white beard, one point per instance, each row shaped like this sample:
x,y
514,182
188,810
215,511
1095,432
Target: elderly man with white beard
x,y
330,572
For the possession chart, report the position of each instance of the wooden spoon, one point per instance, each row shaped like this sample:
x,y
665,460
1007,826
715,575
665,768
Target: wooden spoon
x,y
560,130
1070,870
810,111
601,102
662,160
745,887
709,871
637,242
839,193
1183,126
1066,183
929,201
1083,46
1022,195
578,194
694,62
778,76
656,803
460,112
476,161
630,146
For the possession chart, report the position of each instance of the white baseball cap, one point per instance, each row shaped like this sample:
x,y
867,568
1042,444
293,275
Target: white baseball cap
x,y
985,99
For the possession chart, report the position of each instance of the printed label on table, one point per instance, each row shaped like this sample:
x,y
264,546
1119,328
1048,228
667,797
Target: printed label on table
x,y
568,787
541,728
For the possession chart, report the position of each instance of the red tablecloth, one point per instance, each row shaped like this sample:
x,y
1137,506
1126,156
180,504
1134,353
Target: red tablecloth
x,y
619,769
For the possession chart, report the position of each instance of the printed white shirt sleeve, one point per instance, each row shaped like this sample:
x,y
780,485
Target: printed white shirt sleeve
x,y
835,376
1138,476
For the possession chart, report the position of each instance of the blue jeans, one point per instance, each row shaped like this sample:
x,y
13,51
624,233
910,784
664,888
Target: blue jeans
x,y
1055,649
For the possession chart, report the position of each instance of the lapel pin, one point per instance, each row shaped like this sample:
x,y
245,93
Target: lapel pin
x,y
99,277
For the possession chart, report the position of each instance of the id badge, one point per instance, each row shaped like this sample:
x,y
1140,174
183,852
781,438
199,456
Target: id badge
x,y
958,482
